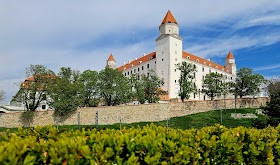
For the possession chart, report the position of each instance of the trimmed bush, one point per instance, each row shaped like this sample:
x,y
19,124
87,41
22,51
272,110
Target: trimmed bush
x,y
148,145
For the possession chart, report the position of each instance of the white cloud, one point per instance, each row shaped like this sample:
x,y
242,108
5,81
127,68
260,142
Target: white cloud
x,y
267,67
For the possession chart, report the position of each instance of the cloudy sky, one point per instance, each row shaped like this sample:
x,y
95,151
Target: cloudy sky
x,y
82,34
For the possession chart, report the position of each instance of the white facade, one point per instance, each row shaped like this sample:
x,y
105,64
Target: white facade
x,y
169,52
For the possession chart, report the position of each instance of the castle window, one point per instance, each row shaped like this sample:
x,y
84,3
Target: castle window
x,y
202,69
175,70
155,62
44,106
194,95
188,57
216,67
209,70
134,70
131,65
124,74
162,59
175,59
175,81
197,60
128,73
142,67
194,74
151,58
148,74
204,63
148,65
138,69
202,77
231,78
131,71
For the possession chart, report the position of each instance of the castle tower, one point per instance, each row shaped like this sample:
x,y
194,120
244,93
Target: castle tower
x,y
111,63
168,54
230,63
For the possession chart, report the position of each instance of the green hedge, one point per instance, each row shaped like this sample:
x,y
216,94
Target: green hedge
x,y
147,145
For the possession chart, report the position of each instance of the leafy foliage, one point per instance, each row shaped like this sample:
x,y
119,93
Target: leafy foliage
x,y
186,81
2,95
137,88
89,88
248,83
147,145
35,89
114,87
65,92
152,89
213,85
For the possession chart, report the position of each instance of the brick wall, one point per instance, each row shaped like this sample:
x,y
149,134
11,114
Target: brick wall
x,y
129,113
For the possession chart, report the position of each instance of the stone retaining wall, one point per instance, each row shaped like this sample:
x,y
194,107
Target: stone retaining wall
x,y
130,113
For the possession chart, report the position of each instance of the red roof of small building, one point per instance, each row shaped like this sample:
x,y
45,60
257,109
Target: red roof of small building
x,y
230,56
111,58
169,18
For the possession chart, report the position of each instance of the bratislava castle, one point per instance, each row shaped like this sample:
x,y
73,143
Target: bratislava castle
x,y
168,53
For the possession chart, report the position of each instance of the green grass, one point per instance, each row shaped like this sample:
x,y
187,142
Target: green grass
x,y
198,120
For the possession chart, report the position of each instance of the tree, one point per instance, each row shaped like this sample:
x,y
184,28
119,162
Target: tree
x,y
34,89
248,83
114,87
213,85
65,92
152,88
138,90
186,81
89,88
2,95
272,108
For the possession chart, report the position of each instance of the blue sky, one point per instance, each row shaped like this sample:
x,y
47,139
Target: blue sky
x,y
82,34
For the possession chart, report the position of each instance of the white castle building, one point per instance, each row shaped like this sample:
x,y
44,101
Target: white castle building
x,y
168,53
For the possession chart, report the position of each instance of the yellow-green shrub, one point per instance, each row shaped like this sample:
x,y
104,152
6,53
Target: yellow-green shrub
x,y
147,145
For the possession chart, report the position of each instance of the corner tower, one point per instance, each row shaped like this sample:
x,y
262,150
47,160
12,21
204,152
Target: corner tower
x,y
111,63
168,54
230,63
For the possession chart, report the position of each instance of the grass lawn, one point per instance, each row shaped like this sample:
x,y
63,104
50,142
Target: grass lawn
x,y
198,120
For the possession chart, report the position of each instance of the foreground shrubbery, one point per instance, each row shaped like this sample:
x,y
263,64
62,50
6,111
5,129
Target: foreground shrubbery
x,y
147,145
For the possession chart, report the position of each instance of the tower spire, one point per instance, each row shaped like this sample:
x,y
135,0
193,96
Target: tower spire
x,y
169,18
111,62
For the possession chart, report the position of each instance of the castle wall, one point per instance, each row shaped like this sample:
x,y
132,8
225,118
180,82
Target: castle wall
x,y
129,114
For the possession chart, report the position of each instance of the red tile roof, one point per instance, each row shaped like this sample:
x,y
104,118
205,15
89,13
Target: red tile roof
x,y
203,61
169,18
230,56
138,61
111,58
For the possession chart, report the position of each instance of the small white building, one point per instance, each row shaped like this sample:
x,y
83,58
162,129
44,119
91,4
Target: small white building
x,y
169,52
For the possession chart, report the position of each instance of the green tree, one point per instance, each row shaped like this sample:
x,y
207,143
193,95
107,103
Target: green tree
x,y
34,89
272,108
114,87
213,85
152,89
248,83
89,88
65,92
186,81
2,95
137,90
